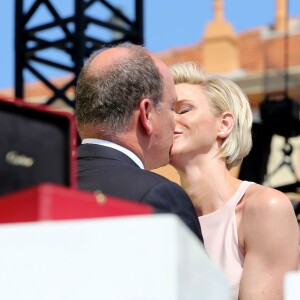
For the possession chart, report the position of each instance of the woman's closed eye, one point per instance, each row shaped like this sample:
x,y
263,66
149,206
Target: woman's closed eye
x,y
183,110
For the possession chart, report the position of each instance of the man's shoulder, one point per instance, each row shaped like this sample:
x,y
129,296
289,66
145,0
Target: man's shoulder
x,y
158,180
155,176
148,182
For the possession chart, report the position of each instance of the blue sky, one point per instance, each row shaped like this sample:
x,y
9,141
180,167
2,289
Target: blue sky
x,y
167,23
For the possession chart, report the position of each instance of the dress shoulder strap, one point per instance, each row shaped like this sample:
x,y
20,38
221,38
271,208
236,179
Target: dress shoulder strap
x,y
240,192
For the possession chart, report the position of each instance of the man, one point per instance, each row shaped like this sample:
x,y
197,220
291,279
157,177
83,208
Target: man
x,y
124,111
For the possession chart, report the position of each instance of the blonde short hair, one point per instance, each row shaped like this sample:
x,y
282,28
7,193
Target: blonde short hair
x,y
224,96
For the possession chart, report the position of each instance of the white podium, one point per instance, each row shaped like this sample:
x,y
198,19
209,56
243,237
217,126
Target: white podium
x,y
153,257
292,285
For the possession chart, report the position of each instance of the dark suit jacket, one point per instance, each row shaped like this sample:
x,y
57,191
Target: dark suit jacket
x,y
114,173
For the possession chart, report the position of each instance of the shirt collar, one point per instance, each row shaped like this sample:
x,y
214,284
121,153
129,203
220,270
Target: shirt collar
x,y
115,146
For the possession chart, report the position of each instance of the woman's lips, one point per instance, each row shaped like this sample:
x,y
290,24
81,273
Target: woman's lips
x,y
177,133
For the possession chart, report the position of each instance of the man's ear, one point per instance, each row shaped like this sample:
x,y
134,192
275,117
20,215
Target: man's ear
x,y
226,124
146,109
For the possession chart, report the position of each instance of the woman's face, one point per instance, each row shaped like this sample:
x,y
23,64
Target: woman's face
x,y
196,127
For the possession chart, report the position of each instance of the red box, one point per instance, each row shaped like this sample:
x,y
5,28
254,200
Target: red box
x,y
53,202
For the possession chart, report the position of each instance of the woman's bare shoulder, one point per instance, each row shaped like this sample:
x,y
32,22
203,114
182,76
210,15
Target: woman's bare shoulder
x,y
267,211
262,199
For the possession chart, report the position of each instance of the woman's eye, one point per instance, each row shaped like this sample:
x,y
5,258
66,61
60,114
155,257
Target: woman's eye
x,y
184,110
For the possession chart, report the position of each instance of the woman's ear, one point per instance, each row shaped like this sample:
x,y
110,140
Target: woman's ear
x,y
145,109
226,124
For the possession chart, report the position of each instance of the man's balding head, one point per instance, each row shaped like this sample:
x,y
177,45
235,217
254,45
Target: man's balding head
x,y
111,85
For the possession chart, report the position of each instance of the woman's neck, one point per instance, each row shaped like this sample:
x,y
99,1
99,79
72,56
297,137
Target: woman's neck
x,y
208,183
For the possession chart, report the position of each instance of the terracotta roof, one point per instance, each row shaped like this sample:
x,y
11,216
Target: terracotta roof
x,y
258,48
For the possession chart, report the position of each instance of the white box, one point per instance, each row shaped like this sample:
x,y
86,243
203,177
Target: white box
x,y
292,285
153,257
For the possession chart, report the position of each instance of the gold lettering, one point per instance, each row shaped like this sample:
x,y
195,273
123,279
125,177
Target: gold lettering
x,y
16,159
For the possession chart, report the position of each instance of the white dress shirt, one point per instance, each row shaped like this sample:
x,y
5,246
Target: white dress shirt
x,y
115,146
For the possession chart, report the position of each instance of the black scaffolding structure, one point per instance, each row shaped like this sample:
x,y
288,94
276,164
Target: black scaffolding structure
x,y
69,38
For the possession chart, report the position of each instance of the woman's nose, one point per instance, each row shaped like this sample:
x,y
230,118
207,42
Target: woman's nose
x,y
175,116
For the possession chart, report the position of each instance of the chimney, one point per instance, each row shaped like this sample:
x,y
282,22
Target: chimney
x,y
220,49
281,15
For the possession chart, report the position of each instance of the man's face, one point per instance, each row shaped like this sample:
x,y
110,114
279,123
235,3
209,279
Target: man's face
x,y
164,122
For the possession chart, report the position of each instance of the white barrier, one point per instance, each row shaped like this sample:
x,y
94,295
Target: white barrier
x,y
153,257
292,286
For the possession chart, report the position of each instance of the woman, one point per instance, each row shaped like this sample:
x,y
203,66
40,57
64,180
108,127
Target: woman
x,y
249,230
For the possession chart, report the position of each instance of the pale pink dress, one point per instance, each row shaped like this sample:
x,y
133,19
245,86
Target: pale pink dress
x,y
220,237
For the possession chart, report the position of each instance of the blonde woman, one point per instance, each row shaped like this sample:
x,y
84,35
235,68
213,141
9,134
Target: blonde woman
x,y
249,230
